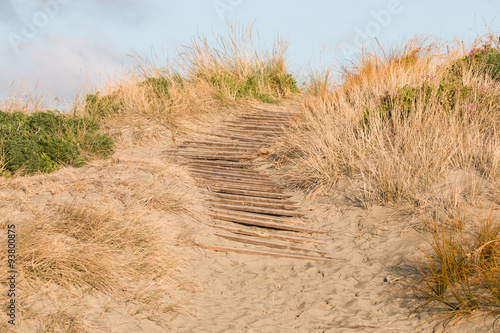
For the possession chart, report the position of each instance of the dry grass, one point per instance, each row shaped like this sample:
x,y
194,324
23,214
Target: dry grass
x,y
415,128
459,274
94,246
394,155
211,73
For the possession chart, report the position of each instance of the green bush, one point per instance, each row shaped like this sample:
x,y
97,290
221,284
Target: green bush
x,y
451,95
159,86
484,60
44,141
100,106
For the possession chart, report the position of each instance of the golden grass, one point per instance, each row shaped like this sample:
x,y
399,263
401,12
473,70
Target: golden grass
x,y
459,273
410,127
210,74
87,247
391,158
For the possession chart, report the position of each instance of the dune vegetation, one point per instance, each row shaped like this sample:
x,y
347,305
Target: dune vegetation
x,y
416,127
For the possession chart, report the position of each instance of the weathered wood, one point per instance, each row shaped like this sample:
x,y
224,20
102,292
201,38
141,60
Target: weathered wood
x,y
230,164
252,199
262,194
258,209
273,245
295,239
230,169
249,150
220,143
241,137
233,179
216,152
257,177
245,131
211,157
253,203
251,126
263,253
246,187
256,216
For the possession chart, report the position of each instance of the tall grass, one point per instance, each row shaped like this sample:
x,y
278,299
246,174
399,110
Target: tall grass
x,y
209,73
460,271
398,123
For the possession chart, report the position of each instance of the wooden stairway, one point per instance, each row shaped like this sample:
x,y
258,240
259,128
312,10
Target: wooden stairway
x,y
247,206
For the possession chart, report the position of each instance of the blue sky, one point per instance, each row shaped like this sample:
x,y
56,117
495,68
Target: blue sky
x,y
59,45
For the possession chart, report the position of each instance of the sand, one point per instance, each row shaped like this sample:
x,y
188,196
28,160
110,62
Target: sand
x,y
362,290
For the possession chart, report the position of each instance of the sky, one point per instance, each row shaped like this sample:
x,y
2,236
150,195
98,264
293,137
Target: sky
x,y
59,47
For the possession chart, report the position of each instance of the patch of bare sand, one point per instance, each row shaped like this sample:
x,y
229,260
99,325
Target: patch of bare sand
x,y
211,291
136,187
362,291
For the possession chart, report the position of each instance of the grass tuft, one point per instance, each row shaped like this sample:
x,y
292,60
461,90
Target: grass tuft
x,y
460,272
44,141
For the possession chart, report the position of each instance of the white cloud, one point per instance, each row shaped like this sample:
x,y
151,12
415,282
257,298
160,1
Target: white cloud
x,y
59,65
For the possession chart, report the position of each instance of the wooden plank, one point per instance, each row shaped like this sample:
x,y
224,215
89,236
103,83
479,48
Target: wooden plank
x,y
229,169
267,111
281,120
262,194
249,131
233,158
254,204
241,138
257,176
263,253
258,209
245,186
273,245
221,143
190,147
257,216
208,152
252,199
295,239
221,163
265,224
238,124
267,114
268,122
232,179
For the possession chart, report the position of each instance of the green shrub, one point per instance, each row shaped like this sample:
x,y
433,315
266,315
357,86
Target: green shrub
x,y
484,60
100,106
451,95
44,141
159,86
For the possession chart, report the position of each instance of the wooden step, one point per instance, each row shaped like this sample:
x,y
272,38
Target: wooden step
x,y
233,158
258,216
232,178
275,245
263,253
248,232
266,224
228,169
258,209
245,187
240,175
227,143
251,199
230,164
191,147
254,204
261,194
208,151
